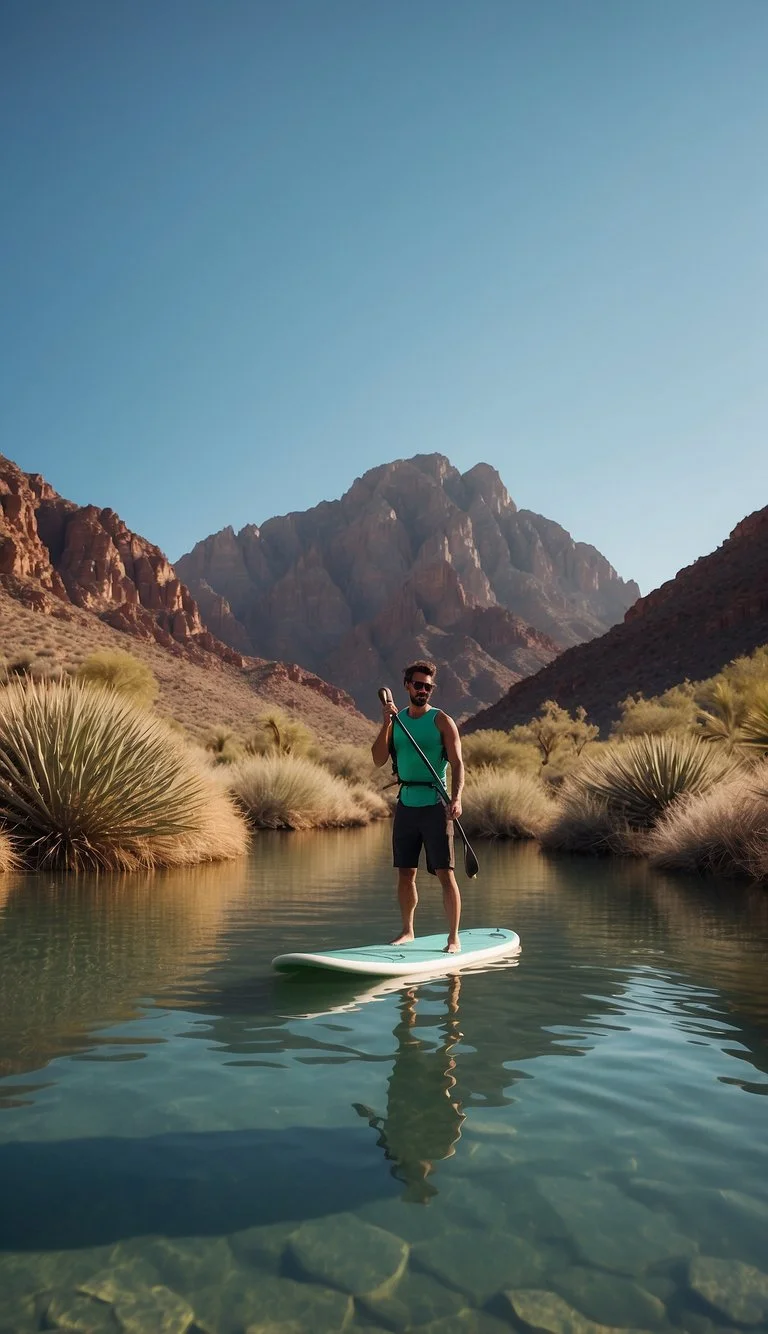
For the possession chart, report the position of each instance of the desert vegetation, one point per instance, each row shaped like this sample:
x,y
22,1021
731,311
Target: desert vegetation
x,y
278,791
91,780
682,779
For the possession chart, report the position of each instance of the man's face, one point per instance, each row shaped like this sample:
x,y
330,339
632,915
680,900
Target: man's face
x,y
420,688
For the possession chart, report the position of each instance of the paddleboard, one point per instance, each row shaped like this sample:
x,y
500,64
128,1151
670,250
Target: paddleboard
x,y
423,956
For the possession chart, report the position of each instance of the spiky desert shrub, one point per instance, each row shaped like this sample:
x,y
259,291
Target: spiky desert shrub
x,y
277,732
754,727
8,859
290,792
723,831
120,672
638,779
506,804
89,780
223,746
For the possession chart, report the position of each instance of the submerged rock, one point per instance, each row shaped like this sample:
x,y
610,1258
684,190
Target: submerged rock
x,y
480,1271
158,1309
540,1309
739,1291
84,1315
609,1298
348,1254
419,1300
610,1229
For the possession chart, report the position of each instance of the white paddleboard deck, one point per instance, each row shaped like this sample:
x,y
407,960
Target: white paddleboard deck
x,y
424,956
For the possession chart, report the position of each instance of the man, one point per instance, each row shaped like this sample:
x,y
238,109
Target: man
x,y
421,818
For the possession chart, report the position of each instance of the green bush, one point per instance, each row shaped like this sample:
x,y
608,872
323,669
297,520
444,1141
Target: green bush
x,y
498,750
554,731
638,779
506,804
673,711
89,779
291,792
121,672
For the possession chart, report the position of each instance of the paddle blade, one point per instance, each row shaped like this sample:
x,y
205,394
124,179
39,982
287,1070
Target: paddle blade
x,y
471,864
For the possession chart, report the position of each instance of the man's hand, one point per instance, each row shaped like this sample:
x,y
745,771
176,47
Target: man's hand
x,y
453,811
388,711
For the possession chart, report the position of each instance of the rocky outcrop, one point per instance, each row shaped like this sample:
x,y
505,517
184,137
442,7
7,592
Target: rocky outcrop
x,y
54,553
711,612
415,559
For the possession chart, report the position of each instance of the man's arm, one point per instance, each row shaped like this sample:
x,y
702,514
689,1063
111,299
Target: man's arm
x,y
452,742
380,747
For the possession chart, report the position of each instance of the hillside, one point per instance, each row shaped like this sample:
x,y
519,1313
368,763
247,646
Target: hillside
x,y
711,612
74,579
416,559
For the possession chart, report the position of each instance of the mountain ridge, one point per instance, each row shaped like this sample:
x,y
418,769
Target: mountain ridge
x,y
406,563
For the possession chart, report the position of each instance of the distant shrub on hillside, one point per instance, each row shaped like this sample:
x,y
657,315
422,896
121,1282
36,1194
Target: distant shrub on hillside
x,y
121,672
223,746
277,732
498,750
673,711
354,763
554,730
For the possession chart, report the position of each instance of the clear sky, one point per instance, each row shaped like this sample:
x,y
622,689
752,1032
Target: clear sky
x,y
251,249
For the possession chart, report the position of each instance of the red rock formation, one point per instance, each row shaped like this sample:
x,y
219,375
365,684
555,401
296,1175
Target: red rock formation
x,y
354,587
53,552
711,612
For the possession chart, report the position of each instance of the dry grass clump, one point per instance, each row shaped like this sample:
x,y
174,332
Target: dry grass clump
x,y
722,832
351,762
506,804
291,792
90,780
588,826
490,748
8,859
121,672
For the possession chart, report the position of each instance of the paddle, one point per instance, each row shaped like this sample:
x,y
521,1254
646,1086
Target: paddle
x,y
471,864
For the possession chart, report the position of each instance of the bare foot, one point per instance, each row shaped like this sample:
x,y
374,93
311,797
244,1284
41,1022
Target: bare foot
x,y
403,939
453,947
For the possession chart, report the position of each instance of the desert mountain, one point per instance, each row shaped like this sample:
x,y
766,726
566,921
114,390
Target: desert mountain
x,y
73,579
711,612
416,559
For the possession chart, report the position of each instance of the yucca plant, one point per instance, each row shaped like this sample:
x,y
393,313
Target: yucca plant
x,y
721,715
639,778
754,728
506,804
90,780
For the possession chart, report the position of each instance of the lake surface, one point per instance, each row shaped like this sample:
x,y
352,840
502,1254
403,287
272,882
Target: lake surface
x,y
580,1131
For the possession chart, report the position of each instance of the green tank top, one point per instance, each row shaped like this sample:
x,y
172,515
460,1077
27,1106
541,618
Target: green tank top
x,y
410,766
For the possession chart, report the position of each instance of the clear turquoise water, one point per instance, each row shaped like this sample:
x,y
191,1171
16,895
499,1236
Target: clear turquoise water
x,y
585,1122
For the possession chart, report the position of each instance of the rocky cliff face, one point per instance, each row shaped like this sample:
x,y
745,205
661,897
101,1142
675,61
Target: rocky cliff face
x,y
711,612
415,559
51,548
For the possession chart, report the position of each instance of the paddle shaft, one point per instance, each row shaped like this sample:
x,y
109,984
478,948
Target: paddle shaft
x,y
470,860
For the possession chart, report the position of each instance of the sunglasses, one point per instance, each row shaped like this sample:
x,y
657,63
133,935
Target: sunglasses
x,y
426,686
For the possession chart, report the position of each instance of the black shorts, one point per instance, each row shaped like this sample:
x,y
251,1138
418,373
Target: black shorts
x,y
415,827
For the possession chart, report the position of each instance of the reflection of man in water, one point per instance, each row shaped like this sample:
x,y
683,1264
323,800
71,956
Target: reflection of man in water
x,y
424,1119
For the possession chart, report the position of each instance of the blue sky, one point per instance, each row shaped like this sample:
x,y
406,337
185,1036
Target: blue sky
x,y
252,249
